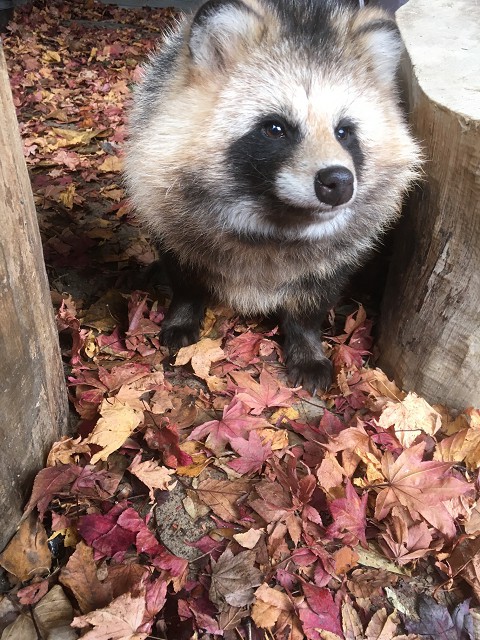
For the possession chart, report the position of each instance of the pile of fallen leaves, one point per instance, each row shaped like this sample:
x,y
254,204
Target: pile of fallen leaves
x,y
201,496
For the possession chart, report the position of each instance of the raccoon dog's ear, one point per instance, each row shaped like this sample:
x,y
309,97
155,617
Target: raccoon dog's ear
x,y
380,39
220,29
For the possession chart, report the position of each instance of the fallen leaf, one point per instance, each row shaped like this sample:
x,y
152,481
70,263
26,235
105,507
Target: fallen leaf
x,y
27,554
222,496
121,620
252,452
235,423
420,486
111,164
117,423
248,539
382,626
80,576
435,620
409,418
234,579
267,393
349,516
201,354
153,475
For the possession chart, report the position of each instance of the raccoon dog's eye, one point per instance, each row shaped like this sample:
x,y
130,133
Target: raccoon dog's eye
x,y
343,133
274,130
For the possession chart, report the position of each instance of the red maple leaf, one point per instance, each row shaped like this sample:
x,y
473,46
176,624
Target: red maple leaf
x,y
319,612
265,394
349,517
421,487
235,423
253,453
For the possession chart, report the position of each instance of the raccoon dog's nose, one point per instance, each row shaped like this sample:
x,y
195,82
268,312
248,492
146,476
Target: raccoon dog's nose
x,y
334,185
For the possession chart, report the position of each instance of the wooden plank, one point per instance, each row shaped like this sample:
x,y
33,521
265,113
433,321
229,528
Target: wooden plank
x,y
33,403
430,325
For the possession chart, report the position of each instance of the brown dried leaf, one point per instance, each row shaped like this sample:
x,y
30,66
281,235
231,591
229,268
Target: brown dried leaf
x,y
222,496
351,623
80,576
234,579
27,555
382,626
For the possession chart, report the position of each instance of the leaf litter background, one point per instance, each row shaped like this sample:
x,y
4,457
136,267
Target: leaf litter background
x,y
201,496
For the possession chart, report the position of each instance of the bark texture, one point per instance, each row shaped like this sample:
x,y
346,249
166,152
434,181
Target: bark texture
x,y
33,402
430,325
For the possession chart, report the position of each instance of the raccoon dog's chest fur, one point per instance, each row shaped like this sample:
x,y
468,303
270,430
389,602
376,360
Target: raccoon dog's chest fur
x,y
267,154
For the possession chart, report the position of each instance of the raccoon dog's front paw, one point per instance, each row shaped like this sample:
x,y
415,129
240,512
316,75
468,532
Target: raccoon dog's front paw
x,y
181,325
175,336
310,373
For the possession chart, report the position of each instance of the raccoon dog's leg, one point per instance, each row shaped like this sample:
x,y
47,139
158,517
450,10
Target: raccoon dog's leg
x,y
306,362
184,317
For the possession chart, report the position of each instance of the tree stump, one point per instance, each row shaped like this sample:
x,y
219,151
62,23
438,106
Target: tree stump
x,y
430,323
33,400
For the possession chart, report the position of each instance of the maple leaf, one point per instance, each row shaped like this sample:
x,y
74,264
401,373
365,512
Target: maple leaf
x,y
259,396
436,622
320,614
235,423
222,496
121,620
27,554
382,626
153,475
105,534
421,487
201,354
234,579
117,423
269,604
406,543
409,418
49,482
349,517
252,451
80,576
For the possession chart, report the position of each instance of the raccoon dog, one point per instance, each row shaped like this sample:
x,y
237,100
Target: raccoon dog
x,y
267,154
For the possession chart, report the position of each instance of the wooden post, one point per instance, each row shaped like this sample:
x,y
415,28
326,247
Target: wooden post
x,y
33,402
430,324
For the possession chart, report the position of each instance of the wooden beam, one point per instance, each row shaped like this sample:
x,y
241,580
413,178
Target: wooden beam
x,y
33,402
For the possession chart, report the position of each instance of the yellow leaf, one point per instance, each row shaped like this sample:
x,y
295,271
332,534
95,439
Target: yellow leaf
x,y
73,137
51,56
278,438
111,164
117,423
284,413
201,354
200,460
409,418
67,197
66,451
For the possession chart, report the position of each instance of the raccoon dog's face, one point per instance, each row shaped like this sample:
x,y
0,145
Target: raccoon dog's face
x,y
289,126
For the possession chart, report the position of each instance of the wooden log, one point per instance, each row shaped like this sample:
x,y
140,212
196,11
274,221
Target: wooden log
x,y
430,324
33,401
